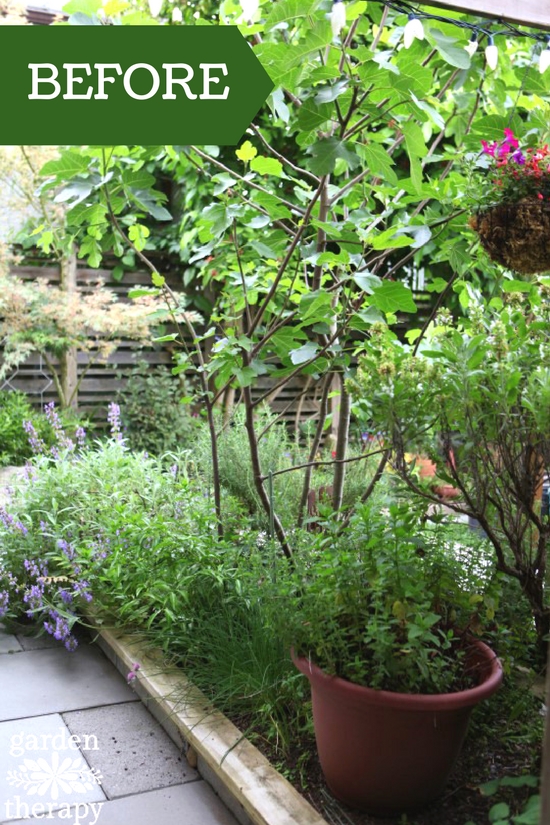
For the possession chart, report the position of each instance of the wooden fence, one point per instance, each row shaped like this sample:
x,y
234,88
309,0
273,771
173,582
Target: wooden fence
x,y
102,381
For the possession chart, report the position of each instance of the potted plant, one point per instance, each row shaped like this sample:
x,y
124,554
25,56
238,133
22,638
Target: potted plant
x,y
514,228
479,389
384,625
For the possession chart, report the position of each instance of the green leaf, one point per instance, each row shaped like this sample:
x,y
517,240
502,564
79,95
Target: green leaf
x,y
263,250
76,192
332,91
450,49
421,234
389,239
140,179
140,292
432,113
393,296
311,116
163,338
287,10
379,163
532,813
246,152
499,811
85,6
267,166
315,307
280,108
305,353
516,286
138,234
147,200
528,780
67,166
91,215
414,139
158,280
326,152
367,282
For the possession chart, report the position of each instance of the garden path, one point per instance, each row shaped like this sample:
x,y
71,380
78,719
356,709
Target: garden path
x,y
78,747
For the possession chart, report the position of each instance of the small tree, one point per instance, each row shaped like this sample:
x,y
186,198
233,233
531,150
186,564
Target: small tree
x,y
475,398
38,317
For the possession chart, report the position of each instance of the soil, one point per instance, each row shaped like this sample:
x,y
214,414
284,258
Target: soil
x,y
486,755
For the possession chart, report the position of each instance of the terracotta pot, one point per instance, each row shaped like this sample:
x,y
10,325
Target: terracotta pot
x,y
389,753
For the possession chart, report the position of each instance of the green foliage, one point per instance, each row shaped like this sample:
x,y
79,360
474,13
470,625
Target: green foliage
x,y
391,602
154,418
475,398
276,452
15,409
501,813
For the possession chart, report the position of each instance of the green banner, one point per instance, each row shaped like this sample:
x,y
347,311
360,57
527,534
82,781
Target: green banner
x,y
141,85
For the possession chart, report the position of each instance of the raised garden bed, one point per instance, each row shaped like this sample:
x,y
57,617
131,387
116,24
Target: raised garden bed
x,y
243,778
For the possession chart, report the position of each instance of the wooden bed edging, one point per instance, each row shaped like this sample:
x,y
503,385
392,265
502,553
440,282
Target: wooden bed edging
x,y
241,776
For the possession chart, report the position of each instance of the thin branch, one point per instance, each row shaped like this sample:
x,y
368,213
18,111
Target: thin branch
x,y
284,160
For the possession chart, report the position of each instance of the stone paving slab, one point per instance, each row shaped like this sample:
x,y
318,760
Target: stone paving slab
x,y
192,804
37,642
40,682
9,644
41,762
134,753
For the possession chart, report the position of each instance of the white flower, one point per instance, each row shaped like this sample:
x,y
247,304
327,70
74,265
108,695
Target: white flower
x,y
491,55
249,7
155,7
472,46
177,16
544,59
413,30
338,17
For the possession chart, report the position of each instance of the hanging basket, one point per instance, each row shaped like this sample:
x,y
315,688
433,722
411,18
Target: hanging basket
x,y
516,235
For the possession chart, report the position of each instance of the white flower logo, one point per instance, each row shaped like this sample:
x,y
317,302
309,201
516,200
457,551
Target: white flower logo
x,y
38,776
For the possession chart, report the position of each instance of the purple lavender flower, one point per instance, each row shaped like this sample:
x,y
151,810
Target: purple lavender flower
x,y
80,435
4,602
113,417
29,472
71,644
66,548
51,414
62,630
34,598
82,589
66,597
36,568
36,443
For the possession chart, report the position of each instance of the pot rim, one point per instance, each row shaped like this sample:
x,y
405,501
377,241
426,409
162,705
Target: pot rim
x,y
408,701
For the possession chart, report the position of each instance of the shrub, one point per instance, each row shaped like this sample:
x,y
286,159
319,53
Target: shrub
x,y
153,416
15,409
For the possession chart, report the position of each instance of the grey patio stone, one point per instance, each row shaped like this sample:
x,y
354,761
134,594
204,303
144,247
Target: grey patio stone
x,y
134,753
9,643
39,762
192,804
40,682
37,642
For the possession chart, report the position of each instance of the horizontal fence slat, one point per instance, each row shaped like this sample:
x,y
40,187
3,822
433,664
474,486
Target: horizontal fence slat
x,y
104,379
